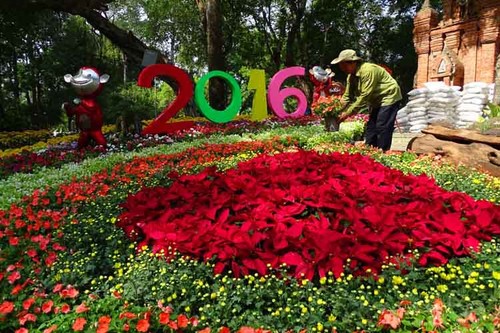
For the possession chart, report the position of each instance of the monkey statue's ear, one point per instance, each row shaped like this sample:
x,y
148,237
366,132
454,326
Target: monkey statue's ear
x,y
104,78
67,78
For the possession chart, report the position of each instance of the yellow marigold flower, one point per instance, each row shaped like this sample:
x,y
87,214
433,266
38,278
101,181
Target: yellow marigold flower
x,y
471,280
319,326
397,280
442,288
496,275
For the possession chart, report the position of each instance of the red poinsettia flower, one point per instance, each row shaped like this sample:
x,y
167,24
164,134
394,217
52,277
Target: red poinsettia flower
x,y
274,209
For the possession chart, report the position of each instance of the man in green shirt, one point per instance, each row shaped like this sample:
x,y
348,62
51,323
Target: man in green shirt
x,y
370,85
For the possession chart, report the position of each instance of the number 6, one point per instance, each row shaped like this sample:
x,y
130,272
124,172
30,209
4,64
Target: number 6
x,y
277,97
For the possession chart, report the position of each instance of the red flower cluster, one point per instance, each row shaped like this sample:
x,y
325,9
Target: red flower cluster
x,y
309,211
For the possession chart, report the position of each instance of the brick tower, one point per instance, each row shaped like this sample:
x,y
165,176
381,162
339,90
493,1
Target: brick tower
x,y
462,47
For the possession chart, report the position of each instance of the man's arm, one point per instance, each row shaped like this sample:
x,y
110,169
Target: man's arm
x,y
368,83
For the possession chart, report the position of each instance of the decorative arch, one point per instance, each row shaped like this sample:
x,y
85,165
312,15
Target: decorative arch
x,y
447,67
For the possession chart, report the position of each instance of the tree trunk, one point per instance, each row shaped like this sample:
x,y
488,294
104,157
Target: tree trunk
x,y
297,7
15,78
210,11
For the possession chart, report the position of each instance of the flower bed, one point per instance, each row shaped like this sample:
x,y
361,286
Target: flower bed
x,y
27,161
273,210
66,267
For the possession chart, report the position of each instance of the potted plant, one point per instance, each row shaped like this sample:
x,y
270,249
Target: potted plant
x,y
329,107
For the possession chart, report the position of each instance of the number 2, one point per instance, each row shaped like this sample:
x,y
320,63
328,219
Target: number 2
x,y
184,94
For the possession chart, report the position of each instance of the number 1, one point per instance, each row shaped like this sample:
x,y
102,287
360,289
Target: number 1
x,y
258,83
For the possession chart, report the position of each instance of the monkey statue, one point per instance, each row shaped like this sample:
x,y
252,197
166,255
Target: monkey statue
x,y
87,84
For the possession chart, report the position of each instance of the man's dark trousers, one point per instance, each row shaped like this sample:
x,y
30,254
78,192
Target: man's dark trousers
x,y
381,126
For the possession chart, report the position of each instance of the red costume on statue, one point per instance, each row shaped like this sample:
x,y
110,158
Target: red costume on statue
x,y
324,85
88,85
89,121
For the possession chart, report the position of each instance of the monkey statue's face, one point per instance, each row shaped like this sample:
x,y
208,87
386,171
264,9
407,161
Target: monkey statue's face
x,y
87,82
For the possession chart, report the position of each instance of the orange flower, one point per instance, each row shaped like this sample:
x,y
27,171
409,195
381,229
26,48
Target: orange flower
x,y
182,321
6,307
205,330
142,325
164,318
103,324
438,322
79,324
127,315
47,306
472,317
405,302
388,319
65,308
224,330
246,329
400,312
28,303
82,308
438,306
463,322
69,292
27,317
50,329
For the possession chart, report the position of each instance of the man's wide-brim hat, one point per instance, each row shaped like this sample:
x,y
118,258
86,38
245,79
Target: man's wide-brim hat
x,y
346,55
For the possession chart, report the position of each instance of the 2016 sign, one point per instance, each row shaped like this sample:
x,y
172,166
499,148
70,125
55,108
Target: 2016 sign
x,y
276,96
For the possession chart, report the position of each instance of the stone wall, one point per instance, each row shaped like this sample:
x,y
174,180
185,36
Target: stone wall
x,y
460,48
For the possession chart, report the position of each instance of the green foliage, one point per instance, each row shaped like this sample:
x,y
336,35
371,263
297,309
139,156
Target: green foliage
x,y
130,102
44,47
494,110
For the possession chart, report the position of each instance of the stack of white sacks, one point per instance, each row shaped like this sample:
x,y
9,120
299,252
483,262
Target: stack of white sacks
x,y
442,102
438,102
491,92
402,120
416,110
475,97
